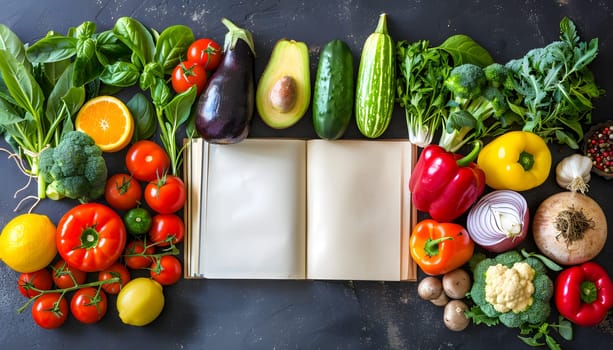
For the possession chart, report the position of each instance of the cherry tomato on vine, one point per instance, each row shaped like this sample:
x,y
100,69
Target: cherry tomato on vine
x,y
115,270
123,192
65,276
166,270
88,305
50,310
166,195
205,52
135,255
147,161
187,74
40,279
166,228
91,237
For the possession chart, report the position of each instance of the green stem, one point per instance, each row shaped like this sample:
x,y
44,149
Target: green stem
x,y
63,291
589,292
467,159
431,246
526,160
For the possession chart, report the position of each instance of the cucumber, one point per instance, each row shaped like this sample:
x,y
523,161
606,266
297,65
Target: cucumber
x,y
374,100
333,91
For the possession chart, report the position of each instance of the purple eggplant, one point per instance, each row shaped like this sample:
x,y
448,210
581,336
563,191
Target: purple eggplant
x,y
225,108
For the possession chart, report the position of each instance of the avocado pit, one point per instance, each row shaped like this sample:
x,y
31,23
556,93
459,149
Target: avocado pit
x,y
283,94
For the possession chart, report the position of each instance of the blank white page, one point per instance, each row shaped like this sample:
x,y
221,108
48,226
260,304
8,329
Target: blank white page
x,y
355,207
255,210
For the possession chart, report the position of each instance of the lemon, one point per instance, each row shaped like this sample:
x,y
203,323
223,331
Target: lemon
x,y
140,301
27,243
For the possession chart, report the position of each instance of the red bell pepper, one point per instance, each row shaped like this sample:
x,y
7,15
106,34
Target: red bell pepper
x,y
445,184
584,294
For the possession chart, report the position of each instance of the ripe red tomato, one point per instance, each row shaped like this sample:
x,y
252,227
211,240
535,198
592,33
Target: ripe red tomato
x,y
135,255
115,270
187,74
91,237
147,161
88,305
206,52
166,270
50,310
65,276
40,279
166,228
123,192
167,195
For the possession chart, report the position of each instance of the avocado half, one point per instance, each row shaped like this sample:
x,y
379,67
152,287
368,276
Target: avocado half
x,y
284,90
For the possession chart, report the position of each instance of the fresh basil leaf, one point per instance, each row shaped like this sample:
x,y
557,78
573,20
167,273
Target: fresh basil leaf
x,y
85,30
86,70
52,49
178,110
171,46
463,49
135,36
109,45
160,93
120,73
151,73
21,84
143,112
86,48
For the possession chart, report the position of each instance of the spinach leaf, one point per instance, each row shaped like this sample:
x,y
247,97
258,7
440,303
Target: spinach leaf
x,y
21,84
135,36
8,114
145,123
172,45
65,99
463,49
12,44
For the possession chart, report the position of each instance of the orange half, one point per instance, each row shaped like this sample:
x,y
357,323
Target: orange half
x,y
108,121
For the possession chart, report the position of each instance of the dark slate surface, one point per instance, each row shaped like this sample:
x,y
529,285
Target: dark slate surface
x,y
218,314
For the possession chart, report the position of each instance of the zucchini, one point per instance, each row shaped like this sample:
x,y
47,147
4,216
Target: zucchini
x,y
374,100
333,91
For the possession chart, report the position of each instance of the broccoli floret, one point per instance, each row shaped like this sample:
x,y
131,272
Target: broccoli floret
x,y
466,81
499,76
540,308
75,168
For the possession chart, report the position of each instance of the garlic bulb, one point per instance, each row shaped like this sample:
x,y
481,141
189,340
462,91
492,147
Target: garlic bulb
x,y
573,172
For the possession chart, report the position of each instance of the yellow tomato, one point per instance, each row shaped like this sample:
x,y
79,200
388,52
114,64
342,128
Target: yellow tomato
x,y
140,301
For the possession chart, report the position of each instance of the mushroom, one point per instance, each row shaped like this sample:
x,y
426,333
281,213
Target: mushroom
x,y
454,315
456,283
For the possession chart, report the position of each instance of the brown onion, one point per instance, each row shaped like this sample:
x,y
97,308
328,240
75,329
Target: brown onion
x,y
570,228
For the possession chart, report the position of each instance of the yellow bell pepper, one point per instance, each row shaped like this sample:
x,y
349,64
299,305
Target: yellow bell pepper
x,y
517,160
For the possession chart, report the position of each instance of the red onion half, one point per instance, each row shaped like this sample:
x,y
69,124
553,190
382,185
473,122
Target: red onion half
x,y
499,220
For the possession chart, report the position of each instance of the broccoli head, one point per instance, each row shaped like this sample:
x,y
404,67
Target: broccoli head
x,y
75,168
466,81
520,297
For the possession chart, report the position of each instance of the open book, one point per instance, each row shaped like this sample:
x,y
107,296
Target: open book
x,y
299,209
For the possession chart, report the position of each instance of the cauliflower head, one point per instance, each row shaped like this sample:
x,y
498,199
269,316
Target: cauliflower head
x,y
513,289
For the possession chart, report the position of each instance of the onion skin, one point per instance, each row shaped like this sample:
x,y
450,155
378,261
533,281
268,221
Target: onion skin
x,y
548,239
480,227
